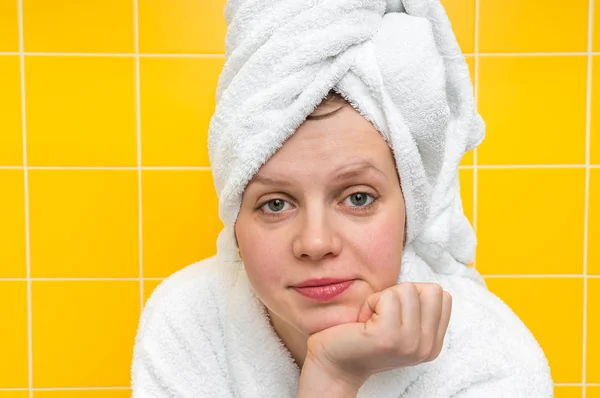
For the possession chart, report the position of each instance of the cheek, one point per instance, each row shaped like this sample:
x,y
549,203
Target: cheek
x,y
260,251
381,246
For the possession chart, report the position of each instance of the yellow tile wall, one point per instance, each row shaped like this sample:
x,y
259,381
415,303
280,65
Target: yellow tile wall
x,y
106,184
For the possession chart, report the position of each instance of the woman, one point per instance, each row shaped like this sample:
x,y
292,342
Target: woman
x,y
341,270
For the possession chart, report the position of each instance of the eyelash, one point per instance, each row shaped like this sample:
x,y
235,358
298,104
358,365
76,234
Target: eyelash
x,y
358,209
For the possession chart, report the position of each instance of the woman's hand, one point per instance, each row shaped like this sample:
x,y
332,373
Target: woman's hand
x,y
403,325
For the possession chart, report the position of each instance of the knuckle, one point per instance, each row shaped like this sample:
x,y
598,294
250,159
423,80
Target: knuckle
x,y
433,290
436,289
447,298
433,354
424,352
388,294
407,288
427,344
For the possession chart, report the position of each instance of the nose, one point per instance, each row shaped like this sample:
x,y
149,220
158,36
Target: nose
x,y
317,238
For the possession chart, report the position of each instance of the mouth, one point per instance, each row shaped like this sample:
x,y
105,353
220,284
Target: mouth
x,y
324,289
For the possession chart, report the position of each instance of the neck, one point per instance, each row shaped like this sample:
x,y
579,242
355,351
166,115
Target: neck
x,y
294,340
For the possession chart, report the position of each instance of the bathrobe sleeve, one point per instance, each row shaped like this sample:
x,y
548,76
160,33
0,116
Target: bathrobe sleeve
x,y
176,351
489,352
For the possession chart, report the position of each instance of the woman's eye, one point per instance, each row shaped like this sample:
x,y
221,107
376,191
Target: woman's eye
x,y
275,206
360,199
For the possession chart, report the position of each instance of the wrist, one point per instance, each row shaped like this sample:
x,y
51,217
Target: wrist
x,y
326,379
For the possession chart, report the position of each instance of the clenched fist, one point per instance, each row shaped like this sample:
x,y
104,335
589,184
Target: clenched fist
x,y
403,325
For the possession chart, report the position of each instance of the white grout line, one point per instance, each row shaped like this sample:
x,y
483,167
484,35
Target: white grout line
x,y
475,151
68,389
538,276
78,279
537,54
588,118
220,55
26,193
576,384
528,166
183,55
109,167
533,166
139,150
63,54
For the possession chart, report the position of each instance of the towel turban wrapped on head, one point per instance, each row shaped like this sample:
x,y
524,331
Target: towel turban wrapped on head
x,y
397,62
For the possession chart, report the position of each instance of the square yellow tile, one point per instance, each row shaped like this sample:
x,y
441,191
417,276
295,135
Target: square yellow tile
x,y
530,221
14,366
84,223
108,393
592,392
529,104
177,102
593,331
181,222
9,25
468,159
81,111
466,191
552,308
83,332
594,223
11,138
530,26
596,29
14,394
149,286
567,392
12,226
595,117
187,26
91,26
462,16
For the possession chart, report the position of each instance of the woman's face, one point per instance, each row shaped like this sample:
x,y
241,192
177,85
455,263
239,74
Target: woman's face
x,y
328,204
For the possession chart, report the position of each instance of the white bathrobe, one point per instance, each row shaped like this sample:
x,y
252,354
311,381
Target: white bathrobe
x,y
204,334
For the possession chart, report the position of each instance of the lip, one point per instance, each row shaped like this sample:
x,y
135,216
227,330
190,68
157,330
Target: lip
x,y
324,289
320,282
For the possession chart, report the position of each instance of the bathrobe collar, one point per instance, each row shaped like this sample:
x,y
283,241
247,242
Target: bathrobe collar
x,y
261,366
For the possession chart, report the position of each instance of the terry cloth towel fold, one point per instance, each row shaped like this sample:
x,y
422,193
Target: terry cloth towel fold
x,y
205,334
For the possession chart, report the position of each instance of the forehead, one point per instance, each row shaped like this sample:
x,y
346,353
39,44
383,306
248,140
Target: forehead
x,y
336,138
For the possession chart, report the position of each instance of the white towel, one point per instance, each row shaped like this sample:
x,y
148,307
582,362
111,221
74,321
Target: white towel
x,y
399,64
204,334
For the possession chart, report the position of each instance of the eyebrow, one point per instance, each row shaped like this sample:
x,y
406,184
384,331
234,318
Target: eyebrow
x,y
269,181
357,169
345,172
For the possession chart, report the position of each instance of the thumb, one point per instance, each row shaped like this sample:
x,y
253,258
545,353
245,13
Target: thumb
x,y
368,308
